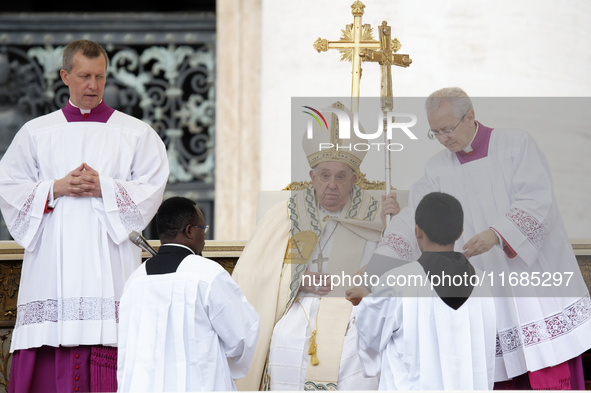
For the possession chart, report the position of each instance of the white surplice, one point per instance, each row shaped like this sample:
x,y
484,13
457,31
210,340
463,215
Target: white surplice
x,y
190,330
78,256
420,343
510,189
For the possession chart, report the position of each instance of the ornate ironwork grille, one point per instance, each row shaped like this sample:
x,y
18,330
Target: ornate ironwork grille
x,y
161,70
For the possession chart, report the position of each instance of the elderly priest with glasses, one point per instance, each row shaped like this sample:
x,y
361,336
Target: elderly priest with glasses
x,y
332,227
513,232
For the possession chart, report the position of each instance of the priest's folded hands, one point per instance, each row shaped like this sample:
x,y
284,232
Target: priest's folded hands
x,y
80,182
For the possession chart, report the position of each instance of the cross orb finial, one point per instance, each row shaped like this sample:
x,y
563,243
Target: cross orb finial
x,y
357,8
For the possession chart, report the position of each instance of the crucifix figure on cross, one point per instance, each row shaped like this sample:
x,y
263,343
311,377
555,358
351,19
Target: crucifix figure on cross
x,y
319,261
386,56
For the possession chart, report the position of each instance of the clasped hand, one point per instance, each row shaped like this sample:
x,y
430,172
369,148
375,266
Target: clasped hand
x,y
81,182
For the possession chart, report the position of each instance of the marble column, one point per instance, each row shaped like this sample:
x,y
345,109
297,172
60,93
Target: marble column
x,y
238,117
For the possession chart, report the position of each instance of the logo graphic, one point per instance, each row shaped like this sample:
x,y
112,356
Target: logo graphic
x,y
315,117
386,124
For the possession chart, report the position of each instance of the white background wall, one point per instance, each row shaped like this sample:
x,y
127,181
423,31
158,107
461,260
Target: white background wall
x,y
500,48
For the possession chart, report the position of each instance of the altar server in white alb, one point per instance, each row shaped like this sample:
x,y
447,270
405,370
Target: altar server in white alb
x,y
512,229
430,339
73,184
185,325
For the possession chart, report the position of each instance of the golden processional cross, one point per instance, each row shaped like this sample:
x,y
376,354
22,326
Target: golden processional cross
x,y
356,38
356,45
386,56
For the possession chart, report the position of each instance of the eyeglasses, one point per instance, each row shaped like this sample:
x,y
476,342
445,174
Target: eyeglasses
x,y
205,228
436,134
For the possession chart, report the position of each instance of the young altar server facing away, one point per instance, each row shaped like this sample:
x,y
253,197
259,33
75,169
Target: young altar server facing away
x,y
185,325
422,338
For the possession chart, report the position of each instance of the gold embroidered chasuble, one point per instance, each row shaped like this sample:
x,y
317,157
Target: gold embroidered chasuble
x,y
272,287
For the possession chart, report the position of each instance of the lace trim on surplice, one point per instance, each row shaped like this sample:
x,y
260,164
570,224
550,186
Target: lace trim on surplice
x,y
528,225
546,329
399,244
69,309
130,215
21,224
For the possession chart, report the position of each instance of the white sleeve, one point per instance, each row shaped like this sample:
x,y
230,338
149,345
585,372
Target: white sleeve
x,y
378,317
23,194
235,321
399,237
526,225
129,204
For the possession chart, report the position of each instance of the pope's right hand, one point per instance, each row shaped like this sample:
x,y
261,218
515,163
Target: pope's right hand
x,y
309,281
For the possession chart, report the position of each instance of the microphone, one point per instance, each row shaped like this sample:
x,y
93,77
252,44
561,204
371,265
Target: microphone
x,y
137,239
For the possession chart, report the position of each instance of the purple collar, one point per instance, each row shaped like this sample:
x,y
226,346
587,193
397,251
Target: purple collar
x,y
99,114
479,146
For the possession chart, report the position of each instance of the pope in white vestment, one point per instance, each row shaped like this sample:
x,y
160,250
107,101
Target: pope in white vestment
x,y
512,228
308,335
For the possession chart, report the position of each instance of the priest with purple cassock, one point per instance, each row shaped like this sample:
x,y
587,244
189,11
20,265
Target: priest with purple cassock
x,y
73,184
514,233
308,336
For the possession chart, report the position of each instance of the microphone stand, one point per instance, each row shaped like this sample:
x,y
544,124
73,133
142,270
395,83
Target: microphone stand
x,y
140,241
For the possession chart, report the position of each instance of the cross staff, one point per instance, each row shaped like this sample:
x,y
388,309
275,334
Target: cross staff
x,y
355,40
356,45
387,57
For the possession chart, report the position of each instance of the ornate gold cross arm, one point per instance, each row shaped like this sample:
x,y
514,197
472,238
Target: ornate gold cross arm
x,y
386,56
356,39
357,45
